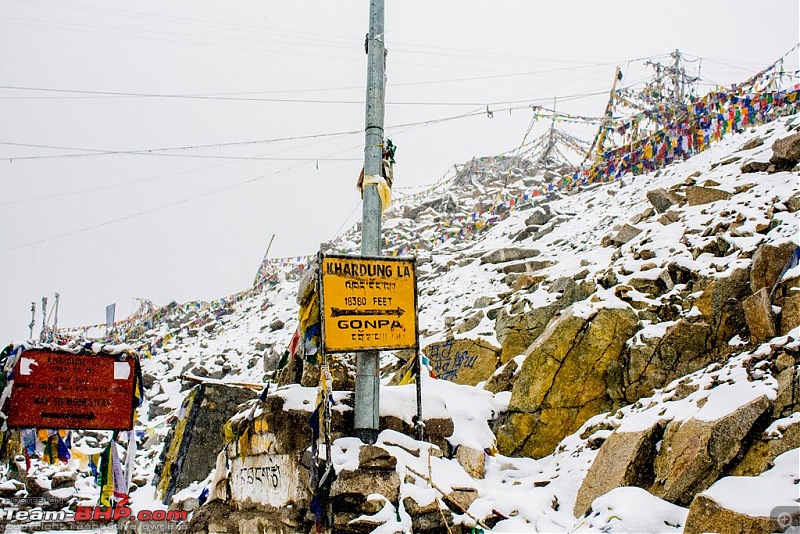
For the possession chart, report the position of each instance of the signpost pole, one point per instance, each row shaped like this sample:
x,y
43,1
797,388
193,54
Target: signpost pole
x,y
367,394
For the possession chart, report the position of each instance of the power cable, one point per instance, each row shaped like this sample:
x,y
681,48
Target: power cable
x,y
162,207
158,177
254,99
156,151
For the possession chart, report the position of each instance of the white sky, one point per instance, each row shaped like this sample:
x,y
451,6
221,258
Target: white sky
x,y
193,224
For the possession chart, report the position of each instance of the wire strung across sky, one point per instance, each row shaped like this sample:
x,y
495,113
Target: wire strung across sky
x,y
330,157
83,151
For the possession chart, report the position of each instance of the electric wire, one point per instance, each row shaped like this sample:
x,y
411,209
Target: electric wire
x,y
161,207
154,151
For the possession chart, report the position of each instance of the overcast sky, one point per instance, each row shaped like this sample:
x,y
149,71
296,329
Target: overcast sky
x,y
231,81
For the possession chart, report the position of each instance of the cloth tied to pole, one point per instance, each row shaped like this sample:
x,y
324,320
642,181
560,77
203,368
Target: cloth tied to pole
x,y
384,190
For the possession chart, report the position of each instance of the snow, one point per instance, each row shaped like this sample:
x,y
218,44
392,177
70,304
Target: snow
x,y
759,496
630,509
778,426
534,495
537,495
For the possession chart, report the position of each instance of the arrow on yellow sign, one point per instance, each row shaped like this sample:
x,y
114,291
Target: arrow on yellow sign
x,y
337,312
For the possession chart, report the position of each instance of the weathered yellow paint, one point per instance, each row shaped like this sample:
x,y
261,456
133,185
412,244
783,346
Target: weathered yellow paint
x,y
368,304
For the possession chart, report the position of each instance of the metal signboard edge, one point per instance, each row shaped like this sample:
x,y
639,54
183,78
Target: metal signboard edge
x,y
322,340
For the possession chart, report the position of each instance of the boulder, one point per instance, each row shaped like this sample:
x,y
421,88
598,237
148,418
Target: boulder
x,y
768,262
64,479
460,499
662,200
517,332
351,488
787,148
654,287
759,316
755,142
470,322
697,195
793,203
669,217
694,453
508,254
517,329
355,523
655,362
522,281
9,488
463,361
527,266
472,460
414,508
625,234
563,380
540,216
790,312
196,436
760,456
624,459
787,400
372,457
754,166
721,306
766,503
503,378
437,430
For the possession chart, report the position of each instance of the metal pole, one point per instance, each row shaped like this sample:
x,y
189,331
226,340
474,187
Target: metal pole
x,y
33,318
43,332
367,401
55,320
419,425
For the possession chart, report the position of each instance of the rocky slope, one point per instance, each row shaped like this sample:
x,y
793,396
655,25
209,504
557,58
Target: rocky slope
x,y
633,342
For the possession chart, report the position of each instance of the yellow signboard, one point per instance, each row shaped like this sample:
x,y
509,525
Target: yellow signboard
x,y
368,303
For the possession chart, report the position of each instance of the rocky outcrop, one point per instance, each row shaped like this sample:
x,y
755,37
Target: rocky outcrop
x,y
759,316
694,453
754,166
625,234
624,459
463,361
652,363
517,329
662,200
765,503
779,438
503,378
721,306
698,195
503,255
786,152
768,262
517,332
564,380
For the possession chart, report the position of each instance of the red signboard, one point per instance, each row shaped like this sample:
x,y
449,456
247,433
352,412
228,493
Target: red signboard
x,y
79,391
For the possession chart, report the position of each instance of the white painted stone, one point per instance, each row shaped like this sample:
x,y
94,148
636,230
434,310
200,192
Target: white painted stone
x,y
267,479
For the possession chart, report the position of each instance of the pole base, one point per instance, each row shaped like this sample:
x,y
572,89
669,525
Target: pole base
x,y
367,435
